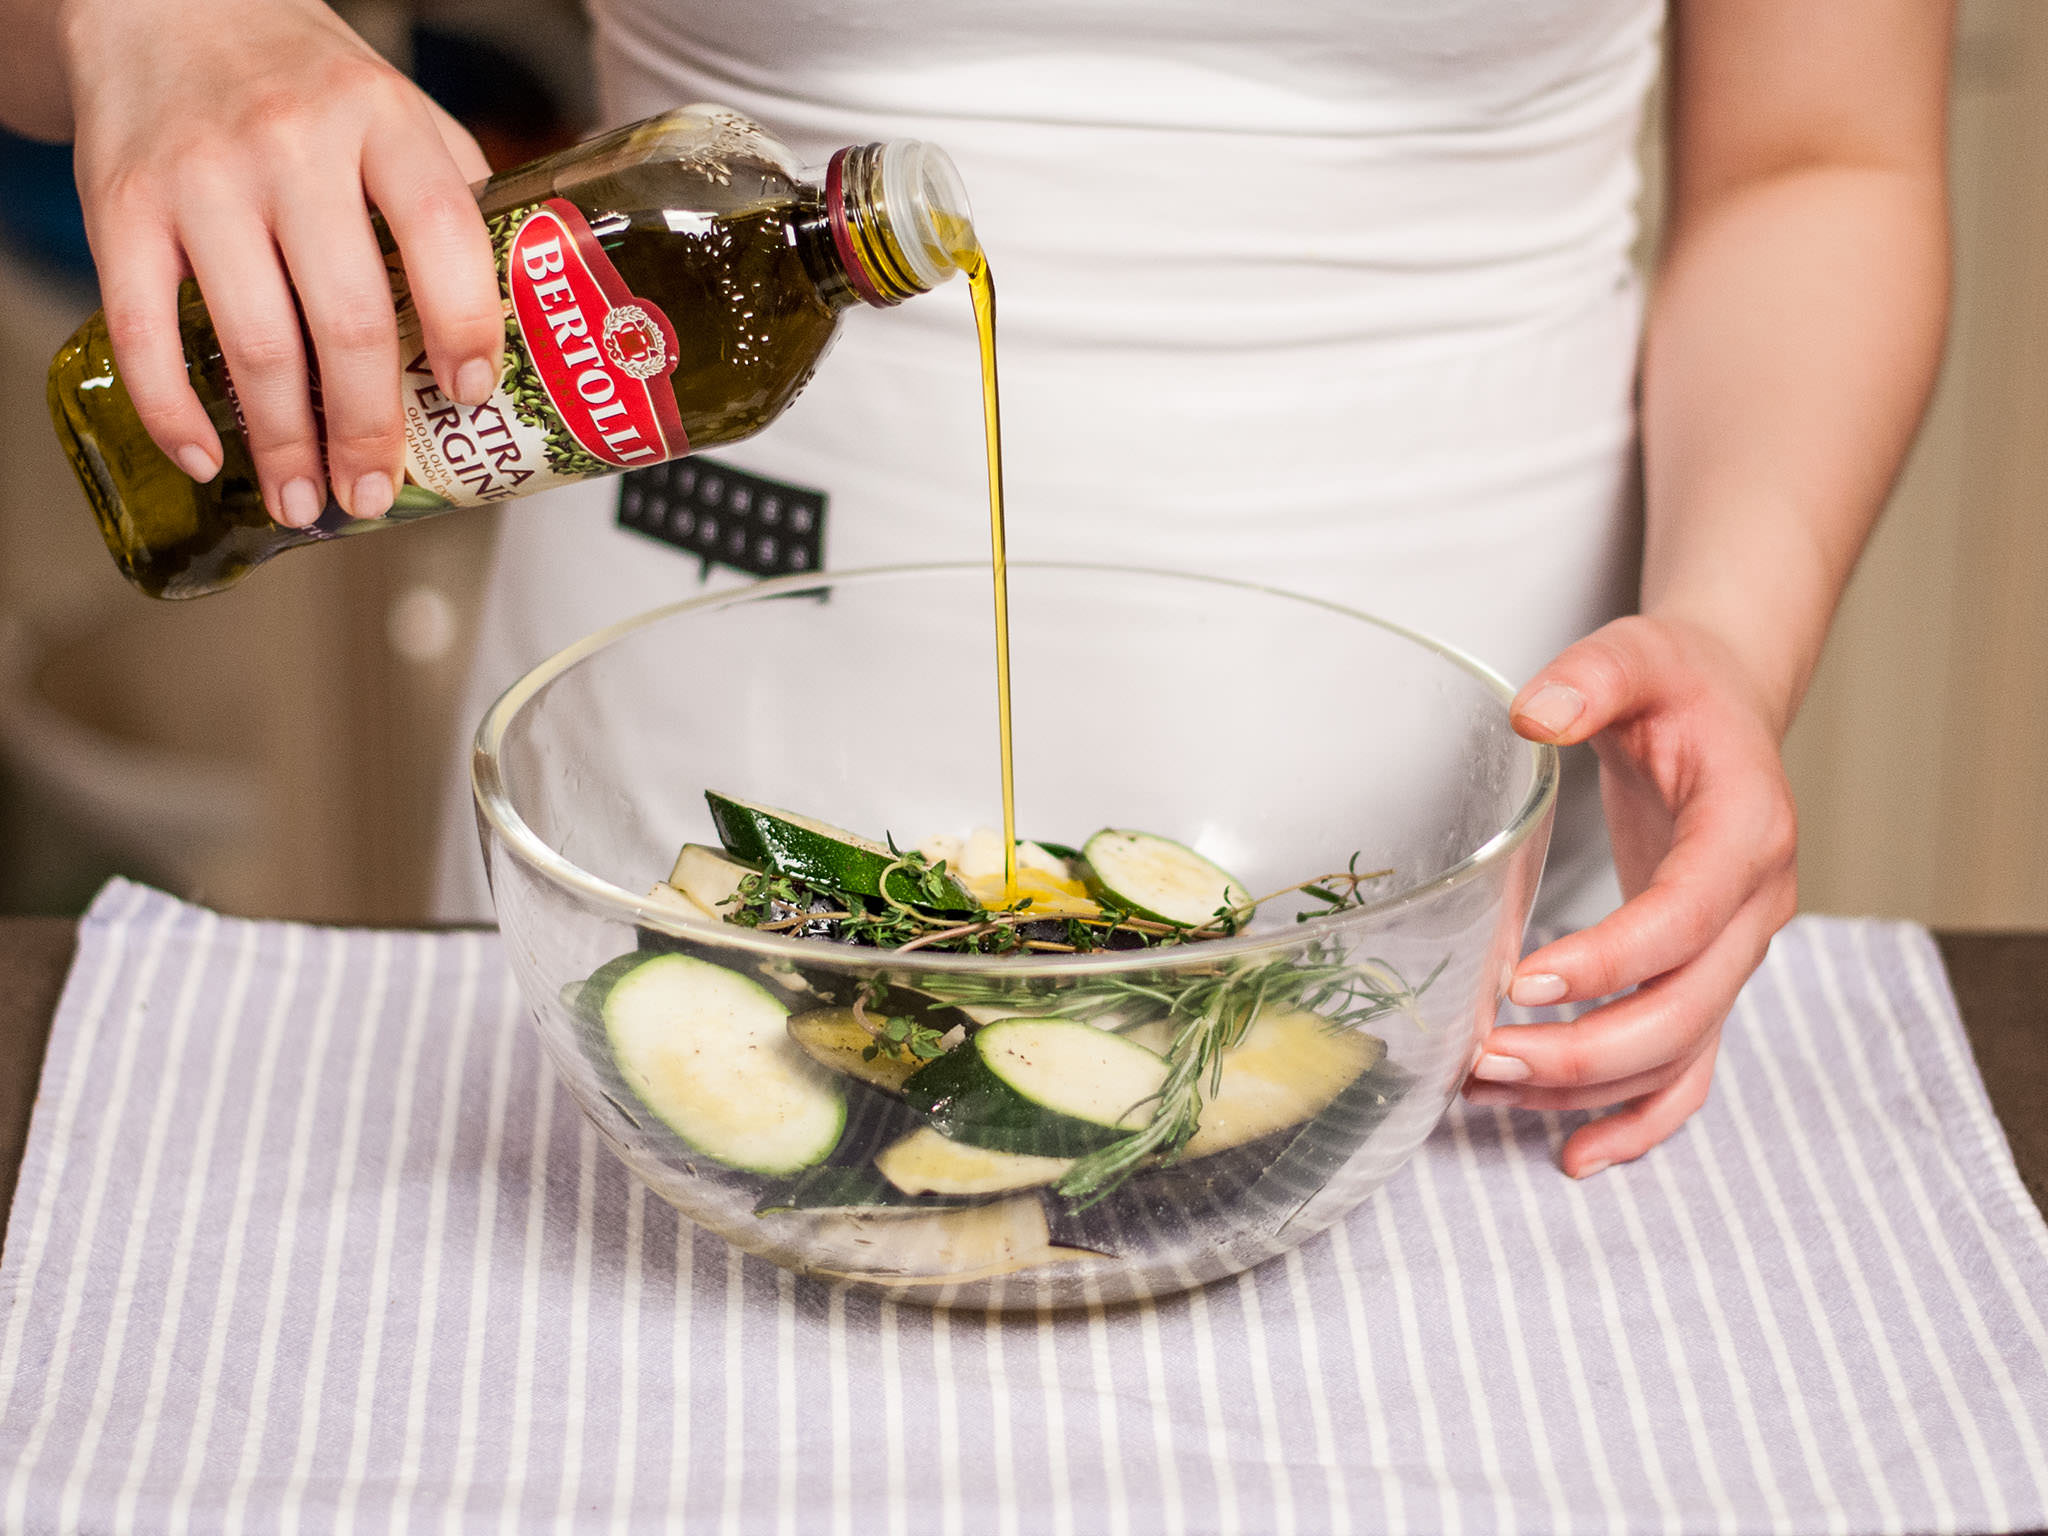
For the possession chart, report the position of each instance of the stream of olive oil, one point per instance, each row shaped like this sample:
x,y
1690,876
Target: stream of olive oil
x,y
983,289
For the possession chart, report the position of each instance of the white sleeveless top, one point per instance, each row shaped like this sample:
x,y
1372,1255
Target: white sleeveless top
x,y
1333,295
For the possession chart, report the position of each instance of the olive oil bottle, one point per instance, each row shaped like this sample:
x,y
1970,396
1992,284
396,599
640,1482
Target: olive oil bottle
x,y
667,287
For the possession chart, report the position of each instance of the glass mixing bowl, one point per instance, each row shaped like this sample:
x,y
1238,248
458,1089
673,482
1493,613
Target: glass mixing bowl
x,y
1277,735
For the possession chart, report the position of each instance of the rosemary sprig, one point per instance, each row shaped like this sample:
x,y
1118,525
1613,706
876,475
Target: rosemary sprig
x,y
1209,1010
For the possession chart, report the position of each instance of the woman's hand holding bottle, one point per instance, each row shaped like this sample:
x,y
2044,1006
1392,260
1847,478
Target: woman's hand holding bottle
x,y
245,150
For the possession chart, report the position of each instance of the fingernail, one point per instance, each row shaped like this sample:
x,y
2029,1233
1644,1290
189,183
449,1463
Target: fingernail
x,y
373,495
475,380
299,503
198,463
1552,708
1592,1168
1495,1068
1538,991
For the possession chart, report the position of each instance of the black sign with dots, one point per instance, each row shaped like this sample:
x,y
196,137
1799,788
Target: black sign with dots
x,y
726,516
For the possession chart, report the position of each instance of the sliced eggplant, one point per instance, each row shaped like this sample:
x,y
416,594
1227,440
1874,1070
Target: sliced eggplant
x,y
1156,1035
950,1247
1296,1099
1319,1150
1288,1066
926,1163
1158,878
1048,1087
1251,1190
820,854
1163,1209
1286,1069
874,1120
832,1188
835,1038
707,1051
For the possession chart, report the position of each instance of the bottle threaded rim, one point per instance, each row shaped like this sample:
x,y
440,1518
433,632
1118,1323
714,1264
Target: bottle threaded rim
x,y
899,218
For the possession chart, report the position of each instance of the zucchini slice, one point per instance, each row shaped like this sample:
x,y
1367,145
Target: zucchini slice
x,y
667,899
815,852
926,1163
1158,878
1048,1087
706,1050
708,878
589,995
834,1038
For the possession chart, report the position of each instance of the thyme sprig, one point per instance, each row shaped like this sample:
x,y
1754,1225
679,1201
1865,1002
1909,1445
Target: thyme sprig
x,y
898,1035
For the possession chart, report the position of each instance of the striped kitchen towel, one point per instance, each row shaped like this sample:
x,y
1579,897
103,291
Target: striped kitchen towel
x,y
307,1239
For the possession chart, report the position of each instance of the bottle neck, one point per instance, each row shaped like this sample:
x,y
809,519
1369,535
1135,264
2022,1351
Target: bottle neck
x,y
898,218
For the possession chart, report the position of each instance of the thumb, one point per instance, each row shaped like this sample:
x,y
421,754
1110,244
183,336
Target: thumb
x,y
1607,676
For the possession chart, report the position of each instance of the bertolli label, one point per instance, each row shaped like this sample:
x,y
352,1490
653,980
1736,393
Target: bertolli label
x,y
585,388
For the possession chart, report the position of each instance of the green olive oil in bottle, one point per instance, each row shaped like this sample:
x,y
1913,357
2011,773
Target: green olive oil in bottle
x,y
666,287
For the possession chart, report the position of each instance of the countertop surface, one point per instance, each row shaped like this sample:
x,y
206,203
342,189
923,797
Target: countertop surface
x,y
2000,982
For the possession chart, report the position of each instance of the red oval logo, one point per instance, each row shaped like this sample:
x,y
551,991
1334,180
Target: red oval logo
x,y
603,355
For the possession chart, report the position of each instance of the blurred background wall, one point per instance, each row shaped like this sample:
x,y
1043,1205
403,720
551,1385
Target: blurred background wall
x,y
276,751
1921,759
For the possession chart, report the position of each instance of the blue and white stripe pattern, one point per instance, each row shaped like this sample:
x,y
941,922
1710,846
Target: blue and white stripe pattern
x,y
307,1240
